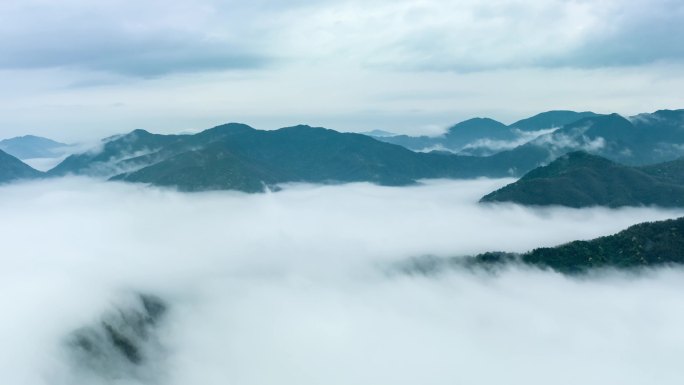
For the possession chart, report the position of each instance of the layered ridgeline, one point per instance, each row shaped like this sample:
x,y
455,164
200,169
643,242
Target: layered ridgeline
x,y
12,169
639,140
648,244
31,147
484,136
127,152
579,179
458,137
644,139
236,156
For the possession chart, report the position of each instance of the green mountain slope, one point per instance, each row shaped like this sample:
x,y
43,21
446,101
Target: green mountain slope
x,y
644,245
579,179
250,160
12,169
138,149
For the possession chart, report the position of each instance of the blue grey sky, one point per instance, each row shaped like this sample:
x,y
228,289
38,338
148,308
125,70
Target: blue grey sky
x,y
78,69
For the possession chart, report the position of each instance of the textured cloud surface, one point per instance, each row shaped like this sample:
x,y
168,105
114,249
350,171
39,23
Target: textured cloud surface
x,y
293,288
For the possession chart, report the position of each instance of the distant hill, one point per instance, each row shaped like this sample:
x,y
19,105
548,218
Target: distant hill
x,y
30,147
476,129
639,140
484,136
251,159
579,179
550,119
660,136
646,139
140,148
12,169
457,136
611,136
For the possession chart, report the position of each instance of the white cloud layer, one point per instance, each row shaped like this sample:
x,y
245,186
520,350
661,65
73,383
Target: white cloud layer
x,y
291,287
502,145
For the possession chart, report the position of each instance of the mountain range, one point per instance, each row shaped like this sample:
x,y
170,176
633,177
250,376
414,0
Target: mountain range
x,y
579,179
236,156
620,162
638,140
484,136
239,157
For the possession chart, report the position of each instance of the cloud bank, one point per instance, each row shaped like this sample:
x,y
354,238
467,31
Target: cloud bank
x,y
292,287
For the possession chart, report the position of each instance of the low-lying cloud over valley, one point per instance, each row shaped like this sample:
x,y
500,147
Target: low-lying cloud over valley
x,y
298,287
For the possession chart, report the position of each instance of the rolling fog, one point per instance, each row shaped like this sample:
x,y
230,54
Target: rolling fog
x,y
294,287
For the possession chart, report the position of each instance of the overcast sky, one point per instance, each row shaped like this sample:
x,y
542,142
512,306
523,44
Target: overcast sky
x,y
78,69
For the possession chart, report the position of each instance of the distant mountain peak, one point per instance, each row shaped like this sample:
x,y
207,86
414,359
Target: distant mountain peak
x,y
29,136
551,119
480,119
226,129
140,131
671,114
232,126
477,123
300,127
32,146
667,111
570,162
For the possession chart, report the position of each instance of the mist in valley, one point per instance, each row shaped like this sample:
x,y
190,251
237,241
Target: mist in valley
x,y
300,287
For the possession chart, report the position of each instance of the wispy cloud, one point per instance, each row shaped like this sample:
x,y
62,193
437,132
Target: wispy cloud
x,y
492,146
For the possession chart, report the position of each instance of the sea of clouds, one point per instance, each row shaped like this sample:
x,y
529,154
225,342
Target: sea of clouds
x,y
297,287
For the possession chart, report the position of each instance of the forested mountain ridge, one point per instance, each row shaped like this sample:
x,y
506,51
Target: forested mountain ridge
x,y
12,169
645,245
579,179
